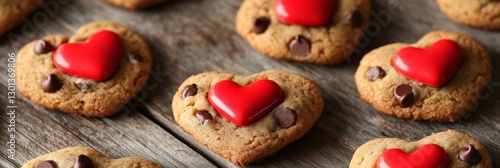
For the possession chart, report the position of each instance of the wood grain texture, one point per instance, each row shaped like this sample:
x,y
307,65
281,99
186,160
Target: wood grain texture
x,y
193,36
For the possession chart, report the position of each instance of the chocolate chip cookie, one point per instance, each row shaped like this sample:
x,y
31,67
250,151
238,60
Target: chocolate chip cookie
x,y
315,31
93,73
86,157
439,78
444,149
247,118
135,4
13,11
478,13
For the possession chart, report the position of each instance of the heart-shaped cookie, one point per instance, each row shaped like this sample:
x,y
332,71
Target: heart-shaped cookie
x,y
96,59
256,139
50,84
439,150
86,157
305,13
396,82
433,66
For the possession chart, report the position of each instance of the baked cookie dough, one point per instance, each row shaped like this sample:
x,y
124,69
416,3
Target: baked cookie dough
x,y
444,149
135,4
439,78
247,118
86,157
13,11
315,31
93,73
477,13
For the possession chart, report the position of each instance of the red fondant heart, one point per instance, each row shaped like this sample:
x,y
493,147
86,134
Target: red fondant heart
x,y
433,66
95,59
302,12
427,156
243,105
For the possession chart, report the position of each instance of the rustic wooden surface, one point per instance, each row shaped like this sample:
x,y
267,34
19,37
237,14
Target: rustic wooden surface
x,y
194,36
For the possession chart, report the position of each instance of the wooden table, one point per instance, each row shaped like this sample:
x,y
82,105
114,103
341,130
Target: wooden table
x,y
190,37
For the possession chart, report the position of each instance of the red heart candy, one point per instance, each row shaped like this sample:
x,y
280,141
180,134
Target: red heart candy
x,y
427,156
306,13
433,66
243,105
96,59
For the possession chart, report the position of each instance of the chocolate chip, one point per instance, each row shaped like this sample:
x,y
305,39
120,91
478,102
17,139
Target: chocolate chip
x,y
469,154
134,57
51,83
46,164
83,84
203,116
300,46
354,18
83,162
189,90
42,47
375,73
260,25
404,95
285,117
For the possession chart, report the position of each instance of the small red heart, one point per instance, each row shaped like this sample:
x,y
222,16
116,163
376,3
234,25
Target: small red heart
x,y
433,66
243,105
306,13
427,156
96,59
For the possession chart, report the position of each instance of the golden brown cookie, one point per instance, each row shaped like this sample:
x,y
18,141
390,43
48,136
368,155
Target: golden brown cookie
x,y
247,118
444,149
315,31
439,78
13,11
81,75
86,157
135,4
477,13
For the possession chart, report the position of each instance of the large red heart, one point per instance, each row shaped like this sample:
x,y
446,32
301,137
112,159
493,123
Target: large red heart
x,y
96,59
302,12
427,156
433,66
243,105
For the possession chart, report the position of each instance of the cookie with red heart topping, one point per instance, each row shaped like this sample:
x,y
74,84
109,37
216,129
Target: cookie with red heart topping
x,y
478,13
439,78
12,12
93,73
135,4
247,118
315,31
444,149
85,157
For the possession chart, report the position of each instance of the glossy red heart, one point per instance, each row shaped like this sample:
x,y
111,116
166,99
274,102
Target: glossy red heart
x,y
427,156
305,13
95,59
243,105
433,66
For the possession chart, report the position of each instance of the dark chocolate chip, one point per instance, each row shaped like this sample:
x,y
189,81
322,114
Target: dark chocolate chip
x,y
375,73
354,18
203,116
189,90
84,85
285,117
51,83
83,161
469,154
404,95
42,47
134,57
260,25
46,164
300,46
